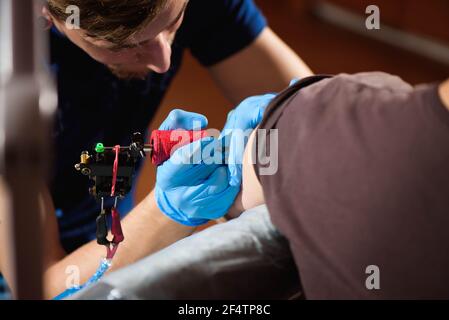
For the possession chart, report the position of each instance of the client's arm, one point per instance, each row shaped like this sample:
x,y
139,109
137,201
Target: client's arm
x,y
251,194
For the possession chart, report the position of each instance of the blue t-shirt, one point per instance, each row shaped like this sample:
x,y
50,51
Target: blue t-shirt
x,y
95,106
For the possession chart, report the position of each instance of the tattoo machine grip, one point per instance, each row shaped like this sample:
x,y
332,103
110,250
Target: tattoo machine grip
x,y
165,142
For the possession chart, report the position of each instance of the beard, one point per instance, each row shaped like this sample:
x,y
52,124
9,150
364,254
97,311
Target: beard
x,y
124,74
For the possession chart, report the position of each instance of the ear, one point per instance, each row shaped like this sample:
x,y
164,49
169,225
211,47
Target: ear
x,y
47,16
45,13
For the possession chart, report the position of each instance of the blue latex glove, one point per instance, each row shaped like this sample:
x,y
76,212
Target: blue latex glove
x,y
246,116
180,119
189,191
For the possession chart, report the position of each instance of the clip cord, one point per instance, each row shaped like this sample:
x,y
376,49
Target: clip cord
x,y
115,170
116,228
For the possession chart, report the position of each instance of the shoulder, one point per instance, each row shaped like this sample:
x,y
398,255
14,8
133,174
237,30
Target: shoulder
x,y
208,8
366,96
346,89
366,109
208,16
214,30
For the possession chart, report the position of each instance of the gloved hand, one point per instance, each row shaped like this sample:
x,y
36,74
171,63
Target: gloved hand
x,y
188,191
246,116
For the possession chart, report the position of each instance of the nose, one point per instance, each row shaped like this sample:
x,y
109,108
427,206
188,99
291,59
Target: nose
x,y
160,54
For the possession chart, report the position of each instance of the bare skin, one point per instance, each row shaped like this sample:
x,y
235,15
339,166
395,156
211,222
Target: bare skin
x,y
444,93
251,194
267,65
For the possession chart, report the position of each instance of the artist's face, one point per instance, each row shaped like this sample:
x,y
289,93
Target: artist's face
x,y
149,50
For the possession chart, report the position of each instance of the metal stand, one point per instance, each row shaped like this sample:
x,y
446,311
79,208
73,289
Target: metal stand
x,y
27,99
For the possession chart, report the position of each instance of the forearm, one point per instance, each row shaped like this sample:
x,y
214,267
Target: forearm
x,y
146,231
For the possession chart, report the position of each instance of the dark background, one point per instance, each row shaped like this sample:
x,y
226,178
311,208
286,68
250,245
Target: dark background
x,y
326,48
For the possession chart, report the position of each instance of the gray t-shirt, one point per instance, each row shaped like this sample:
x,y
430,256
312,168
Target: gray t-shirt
x,y
362,189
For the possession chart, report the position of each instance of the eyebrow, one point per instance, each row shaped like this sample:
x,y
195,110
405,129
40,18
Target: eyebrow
x,y
135,45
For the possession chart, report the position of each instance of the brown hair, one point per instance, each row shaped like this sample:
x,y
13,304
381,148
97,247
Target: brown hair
x,y
111,20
